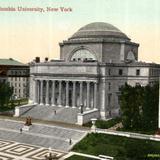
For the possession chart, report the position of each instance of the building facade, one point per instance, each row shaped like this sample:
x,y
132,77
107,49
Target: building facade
x,y
94,63
17,75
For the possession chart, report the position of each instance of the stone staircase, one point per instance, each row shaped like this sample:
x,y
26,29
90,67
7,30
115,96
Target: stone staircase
x,y
67,115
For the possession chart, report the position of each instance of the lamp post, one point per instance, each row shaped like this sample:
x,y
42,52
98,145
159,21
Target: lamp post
x,y
81,107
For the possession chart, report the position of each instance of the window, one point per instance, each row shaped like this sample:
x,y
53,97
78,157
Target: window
x,y
82,54
109,86
109,71
137,72
109,99
120,72
15,78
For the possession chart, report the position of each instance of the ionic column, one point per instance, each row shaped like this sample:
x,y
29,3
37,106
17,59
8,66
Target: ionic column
x,y
95,95
35,92
53,93
41,92
88,95
60,94
47,93
38,92
81,90
67,94
74,95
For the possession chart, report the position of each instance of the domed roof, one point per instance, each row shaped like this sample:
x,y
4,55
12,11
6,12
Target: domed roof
x,y
99,30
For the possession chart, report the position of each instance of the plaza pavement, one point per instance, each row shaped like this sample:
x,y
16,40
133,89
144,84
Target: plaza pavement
x,y
41,135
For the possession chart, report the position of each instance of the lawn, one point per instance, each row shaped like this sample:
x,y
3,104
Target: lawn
x,y
117,146
75,157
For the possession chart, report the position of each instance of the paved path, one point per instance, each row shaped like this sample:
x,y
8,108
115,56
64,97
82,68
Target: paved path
x,y
67,115
129,134
41,135
10,150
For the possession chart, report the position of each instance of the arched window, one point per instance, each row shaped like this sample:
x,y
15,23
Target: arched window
x,y
130,56
82,55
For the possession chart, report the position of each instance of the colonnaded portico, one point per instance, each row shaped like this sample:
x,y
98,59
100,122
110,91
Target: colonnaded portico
x,y
59,92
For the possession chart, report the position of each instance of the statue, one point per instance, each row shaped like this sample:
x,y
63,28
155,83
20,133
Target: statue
x,y
28,121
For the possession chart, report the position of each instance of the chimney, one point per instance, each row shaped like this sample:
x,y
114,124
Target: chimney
x,y
37,59
46,59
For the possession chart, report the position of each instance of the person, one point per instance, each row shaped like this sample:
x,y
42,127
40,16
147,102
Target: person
x,y
70,141
55,112
20,130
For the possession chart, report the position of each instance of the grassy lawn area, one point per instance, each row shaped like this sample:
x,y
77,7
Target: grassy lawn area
x,y
105,124
75,157
112,122
117,146
11,105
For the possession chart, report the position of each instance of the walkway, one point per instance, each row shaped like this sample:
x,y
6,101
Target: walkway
x,y
41,135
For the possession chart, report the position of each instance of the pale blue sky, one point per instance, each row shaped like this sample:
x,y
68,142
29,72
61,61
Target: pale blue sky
x,y
139,19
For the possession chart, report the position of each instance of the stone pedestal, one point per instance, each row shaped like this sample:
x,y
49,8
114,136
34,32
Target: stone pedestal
x,y
26,128
93,128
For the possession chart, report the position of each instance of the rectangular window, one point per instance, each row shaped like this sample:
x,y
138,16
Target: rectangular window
x,y
109,99
109,86
137,72
109,71
120,72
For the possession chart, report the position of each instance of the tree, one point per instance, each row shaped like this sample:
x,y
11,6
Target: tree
x,y
5,94
150,107
139,107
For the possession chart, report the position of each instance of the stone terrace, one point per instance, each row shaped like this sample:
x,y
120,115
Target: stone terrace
x,y
41,135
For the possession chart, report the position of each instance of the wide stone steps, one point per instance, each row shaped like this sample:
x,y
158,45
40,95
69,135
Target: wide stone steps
x,y
67,115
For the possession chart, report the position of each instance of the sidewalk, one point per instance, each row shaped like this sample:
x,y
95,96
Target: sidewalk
x,y
128,134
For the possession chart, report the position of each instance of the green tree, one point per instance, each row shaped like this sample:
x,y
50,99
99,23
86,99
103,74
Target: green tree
x,y
150,107
139,107
5,94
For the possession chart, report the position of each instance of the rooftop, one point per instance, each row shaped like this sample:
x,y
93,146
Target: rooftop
x,y
11,62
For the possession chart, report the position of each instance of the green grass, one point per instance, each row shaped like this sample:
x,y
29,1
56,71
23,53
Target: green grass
x,y
75,157
105,124
110,145
11,105
149,132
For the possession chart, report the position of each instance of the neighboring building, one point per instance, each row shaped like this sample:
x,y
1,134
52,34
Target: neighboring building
x,y
17,74
94,63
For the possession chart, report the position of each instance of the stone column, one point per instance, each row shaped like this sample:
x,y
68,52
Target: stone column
x,y
41,92
95,95
47,93
81,92
53,93
74,95
67,94
38,92
60,94
88,95
35,92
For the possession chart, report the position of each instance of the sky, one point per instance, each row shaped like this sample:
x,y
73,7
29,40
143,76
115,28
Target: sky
x,y
27,34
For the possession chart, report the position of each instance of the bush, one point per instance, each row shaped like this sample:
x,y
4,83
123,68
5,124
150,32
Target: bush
x,y
104,124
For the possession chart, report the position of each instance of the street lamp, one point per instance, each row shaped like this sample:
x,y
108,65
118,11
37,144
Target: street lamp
x,y
81,107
